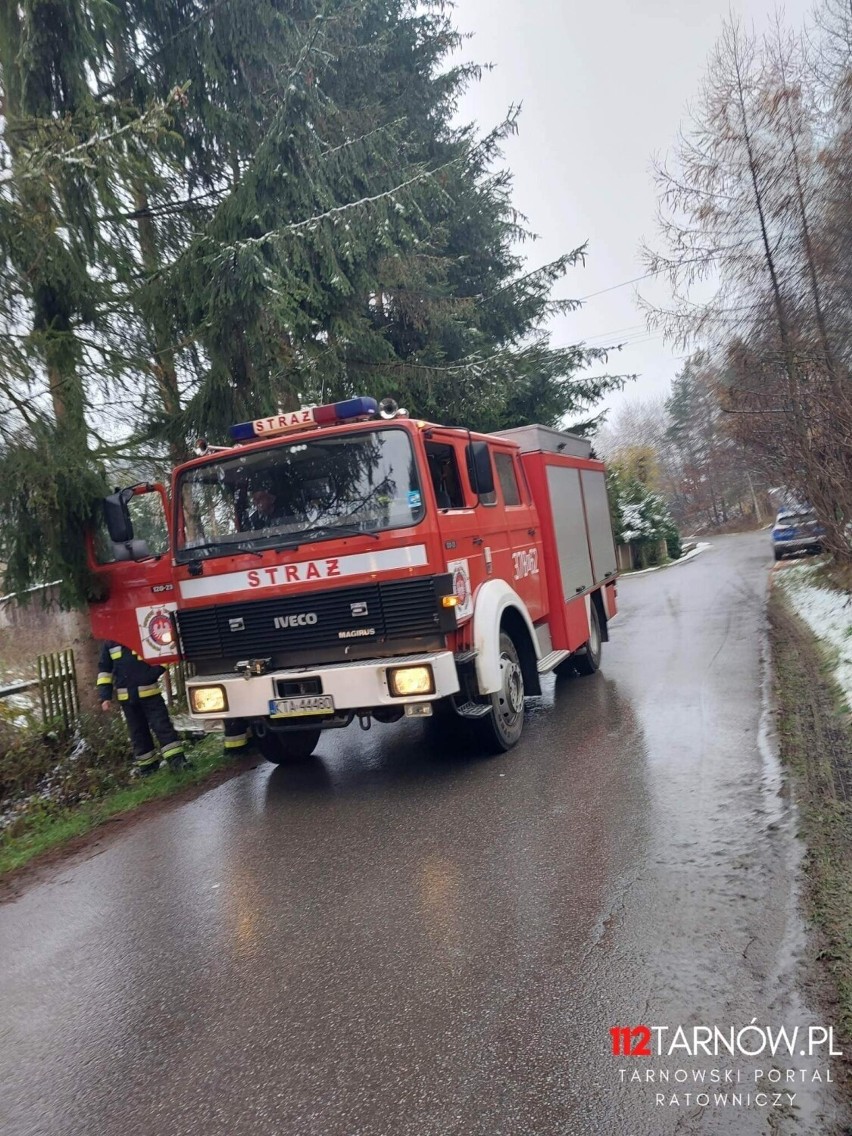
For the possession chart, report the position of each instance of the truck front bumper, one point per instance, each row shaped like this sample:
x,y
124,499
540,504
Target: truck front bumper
x,y
353,686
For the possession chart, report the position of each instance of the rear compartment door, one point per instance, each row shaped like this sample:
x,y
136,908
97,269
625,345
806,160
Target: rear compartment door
x,y
601,544
569,523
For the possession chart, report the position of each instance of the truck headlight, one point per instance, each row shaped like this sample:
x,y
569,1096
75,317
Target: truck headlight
x,y
208,699
405,682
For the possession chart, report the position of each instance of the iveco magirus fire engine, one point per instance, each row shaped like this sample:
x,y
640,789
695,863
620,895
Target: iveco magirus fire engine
x,y
349,561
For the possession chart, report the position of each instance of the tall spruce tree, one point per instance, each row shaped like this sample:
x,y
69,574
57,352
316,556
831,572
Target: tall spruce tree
x,y
350,238
62,158
310,225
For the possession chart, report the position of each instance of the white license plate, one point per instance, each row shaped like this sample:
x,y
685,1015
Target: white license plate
x,y
301,707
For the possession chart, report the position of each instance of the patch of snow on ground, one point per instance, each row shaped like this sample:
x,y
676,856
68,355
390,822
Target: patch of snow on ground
x,y
827,612
699,548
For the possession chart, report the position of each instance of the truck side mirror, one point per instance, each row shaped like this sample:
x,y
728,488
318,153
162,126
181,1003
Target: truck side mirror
x,y
117,518
479,468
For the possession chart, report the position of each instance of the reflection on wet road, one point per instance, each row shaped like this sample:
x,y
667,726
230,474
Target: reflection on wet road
x,y
394,940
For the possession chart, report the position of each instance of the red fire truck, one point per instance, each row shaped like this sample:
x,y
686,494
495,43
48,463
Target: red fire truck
x,y
349,561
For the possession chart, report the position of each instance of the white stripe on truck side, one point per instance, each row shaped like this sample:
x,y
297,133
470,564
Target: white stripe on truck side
x,y
303,571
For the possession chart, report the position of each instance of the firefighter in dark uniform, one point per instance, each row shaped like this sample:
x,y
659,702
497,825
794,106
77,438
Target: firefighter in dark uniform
x,y
137,690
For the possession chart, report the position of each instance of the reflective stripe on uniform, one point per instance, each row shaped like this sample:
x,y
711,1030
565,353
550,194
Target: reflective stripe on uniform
x,y
236,741
115,652
122,694
172,750
149,690
146,758
104,679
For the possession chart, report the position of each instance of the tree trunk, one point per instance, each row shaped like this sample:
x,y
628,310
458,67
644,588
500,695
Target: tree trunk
x,y
86,651
163,364
754,499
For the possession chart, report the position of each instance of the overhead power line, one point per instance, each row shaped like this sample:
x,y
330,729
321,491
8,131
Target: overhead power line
x,y
613,287
617,333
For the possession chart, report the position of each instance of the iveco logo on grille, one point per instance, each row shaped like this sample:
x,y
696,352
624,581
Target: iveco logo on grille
x,y
303,619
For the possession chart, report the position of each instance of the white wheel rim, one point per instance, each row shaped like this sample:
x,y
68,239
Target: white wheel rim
x,y
511,697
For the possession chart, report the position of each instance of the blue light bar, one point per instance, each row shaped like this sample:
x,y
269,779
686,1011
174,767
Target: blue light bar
x,y
361,407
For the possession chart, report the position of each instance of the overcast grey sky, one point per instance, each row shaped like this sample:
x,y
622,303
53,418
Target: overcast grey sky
x,y
605,86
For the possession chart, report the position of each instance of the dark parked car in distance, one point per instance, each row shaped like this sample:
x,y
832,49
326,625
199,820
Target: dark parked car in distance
x,y
795,530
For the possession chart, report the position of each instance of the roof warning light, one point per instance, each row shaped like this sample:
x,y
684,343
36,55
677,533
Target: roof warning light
x,y
349,410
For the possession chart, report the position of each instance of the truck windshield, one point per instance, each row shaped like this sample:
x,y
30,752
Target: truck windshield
x,y
310,489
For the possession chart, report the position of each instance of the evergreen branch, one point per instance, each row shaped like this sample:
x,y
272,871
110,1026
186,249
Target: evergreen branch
x,y
477,364
102,92
363,138
550,271
168,208
22,405
31,167
337,210
484,145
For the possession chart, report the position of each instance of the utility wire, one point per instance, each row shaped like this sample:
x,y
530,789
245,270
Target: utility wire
x,y
635,329
623,284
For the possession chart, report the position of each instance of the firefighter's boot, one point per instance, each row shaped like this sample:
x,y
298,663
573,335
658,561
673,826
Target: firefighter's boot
x,y
144,766
175,758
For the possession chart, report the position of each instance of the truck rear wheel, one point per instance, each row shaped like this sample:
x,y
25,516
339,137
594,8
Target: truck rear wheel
x,y
285,747
589,662
500,729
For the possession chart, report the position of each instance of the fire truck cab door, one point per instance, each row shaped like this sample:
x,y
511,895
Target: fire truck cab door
x,y
130,554
525,566
485,534
458,523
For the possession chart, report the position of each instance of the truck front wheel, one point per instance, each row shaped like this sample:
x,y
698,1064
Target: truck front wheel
x,y
500,729
284,747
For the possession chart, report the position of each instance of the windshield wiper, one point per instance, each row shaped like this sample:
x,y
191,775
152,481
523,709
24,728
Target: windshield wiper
x,y
243,547
222,548
269,543
348,530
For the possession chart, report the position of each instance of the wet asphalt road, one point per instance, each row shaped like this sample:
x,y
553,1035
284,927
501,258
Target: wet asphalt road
x,y
399,942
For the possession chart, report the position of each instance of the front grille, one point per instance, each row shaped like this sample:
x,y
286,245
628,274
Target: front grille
x,y
365,614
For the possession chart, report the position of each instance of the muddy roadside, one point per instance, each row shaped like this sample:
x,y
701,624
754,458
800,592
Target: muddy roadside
x,y
815,739
104,826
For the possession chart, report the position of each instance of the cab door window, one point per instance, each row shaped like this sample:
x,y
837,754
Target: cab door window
x,y
444,475
506,475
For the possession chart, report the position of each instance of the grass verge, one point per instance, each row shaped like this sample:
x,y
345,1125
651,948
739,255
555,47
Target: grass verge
x,y
815,739
38,833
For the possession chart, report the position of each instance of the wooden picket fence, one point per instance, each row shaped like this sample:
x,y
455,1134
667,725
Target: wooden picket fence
x,y
57,687
59,696
174,685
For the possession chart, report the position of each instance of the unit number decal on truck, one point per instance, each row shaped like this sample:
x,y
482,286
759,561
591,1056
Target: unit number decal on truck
x,y
460,573
526,563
